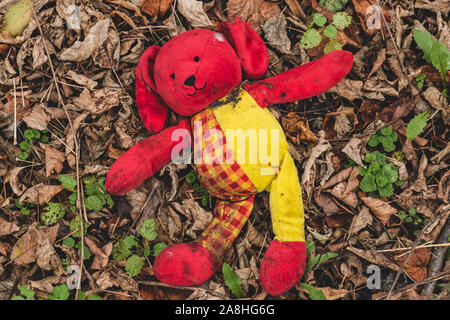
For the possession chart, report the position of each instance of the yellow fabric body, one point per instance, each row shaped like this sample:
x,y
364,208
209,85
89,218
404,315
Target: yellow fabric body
x,y
286,205
252,132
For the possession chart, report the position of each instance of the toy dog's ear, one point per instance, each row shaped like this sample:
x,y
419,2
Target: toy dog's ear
x,y
152,109
250,48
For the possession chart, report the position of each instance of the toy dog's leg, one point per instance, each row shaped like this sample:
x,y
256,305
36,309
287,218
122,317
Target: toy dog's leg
x,y
284,261
193,263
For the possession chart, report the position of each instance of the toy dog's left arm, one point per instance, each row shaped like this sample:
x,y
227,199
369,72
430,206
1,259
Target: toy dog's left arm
x,y
304,81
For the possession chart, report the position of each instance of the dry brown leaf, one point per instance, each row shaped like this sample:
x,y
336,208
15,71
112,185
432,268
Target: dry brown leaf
x,y
70,139
37,118
326,202
337,178
25,249
444,187
349,199
276,35
14,181
353,181
382,210
321,146
363,219
156,7
101,257
296,9
380,60
82,80
374,257
53,160
435,98
353,150
40,193
416,266
7,227
339,123
98,101
348,89
81,50
255,12
368,13
333,294
193,11
297,128
47,258
194,212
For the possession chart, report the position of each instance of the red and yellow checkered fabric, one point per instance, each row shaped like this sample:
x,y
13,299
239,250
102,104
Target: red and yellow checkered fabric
x,y
226,181
223,180
228,222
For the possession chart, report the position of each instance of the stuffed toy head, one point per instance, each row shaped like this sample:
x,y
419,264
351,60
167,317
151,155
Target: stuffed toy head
x,y
199,74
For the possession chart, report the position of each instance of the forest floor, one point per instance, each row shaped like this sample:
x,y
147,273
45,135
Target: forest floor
x,y
372,153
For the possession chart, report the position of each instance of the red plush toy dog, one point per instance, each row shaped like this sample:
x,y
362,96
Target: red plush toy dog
x,y
198,74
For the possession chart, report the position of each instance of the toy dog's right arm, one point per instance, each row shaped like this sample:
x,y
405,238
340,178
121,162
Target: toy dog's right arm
x,y
302,82
146,157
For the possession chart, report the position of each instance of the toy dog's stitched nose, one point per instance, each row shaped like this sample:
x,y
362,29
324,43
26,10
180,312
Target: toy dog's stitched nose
x,y
190,81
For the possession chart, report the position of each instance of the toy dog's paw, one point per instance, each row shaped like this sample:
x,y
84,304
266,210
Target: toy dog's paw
x,y
185,264
282,266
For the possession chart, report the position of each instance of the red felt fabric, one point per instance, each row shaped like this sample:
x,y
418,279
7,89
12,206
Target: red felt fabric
x,y
185,264
152,109
282,266
143,160
304,81
195,69
249,46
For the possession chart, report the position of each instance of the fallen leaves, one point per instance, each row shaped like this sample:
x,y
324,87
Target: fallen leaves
x,y
297,128
40,193
7,227
381,209
81,50
416,266
255,12
156,7
369,13
53,160
193,11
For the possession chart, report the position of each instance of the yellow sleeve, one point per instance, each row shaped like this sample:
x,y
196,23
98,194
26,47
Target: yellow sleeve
x,y
286,204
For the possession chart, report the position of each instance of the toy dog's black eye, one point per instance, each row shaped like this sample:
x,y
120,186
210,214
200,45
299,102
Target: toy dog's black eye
x,y
172,76
197,59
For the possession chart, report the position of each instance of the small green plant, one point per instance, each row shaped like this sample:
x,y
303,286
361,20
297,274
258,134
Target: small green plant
x,y
313,36
386,136
192,178
316,260
53,212
24,207
232,280
60,293
97,197
380,177
31,135
410,216
417,124
313,261
147,230
75,227
128,248
420,79
134,265
333,5
27,293
435,53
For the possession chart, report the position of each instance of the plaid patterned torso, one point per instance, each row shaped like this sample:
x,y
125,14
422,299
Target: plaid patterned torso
x,y
223,179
